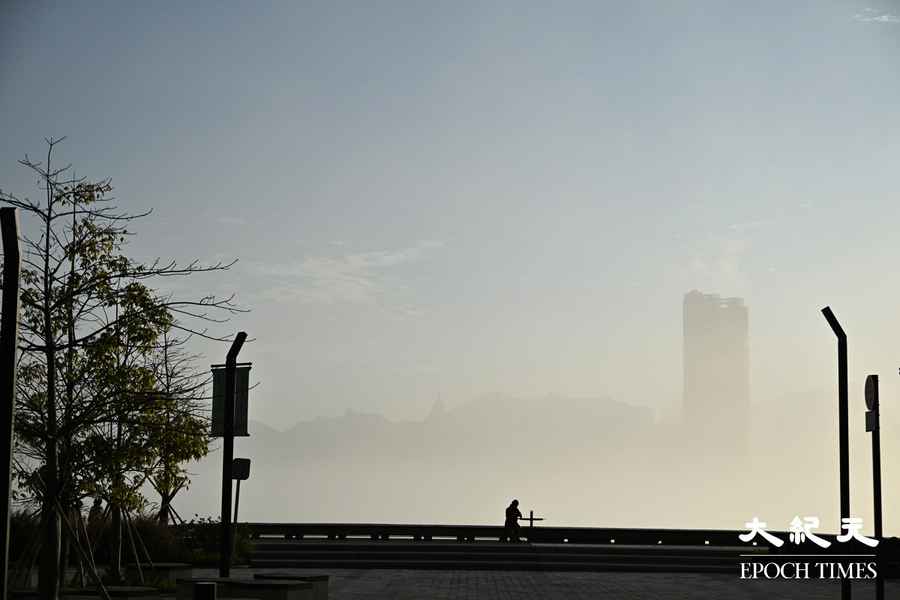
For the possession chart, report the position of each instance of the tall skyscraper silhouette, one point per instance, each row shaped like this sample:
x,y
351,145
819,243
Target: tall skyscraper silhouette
x,y
716,372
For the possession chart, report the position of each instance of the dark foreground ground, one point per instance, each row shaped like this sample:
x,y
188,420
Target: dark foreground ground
x,y
402,584
365,584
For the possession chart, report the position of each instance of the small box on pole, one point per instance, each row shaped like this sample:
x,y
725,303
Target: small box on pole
x,y
240,469
871,421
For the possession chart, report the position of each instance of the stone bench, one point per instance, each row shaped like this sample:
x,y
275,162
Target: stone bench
x,y
167,571
319,582
259,589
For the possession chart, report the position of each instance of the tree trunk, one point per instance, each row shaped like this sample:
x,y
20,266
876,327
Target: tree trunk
x,y
81,567
115,559
163,515
64,544
48,569
48,573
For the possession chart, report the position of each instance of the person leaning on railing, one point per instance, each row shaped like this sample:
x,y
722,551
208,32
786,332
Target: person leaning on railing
x,y
511,526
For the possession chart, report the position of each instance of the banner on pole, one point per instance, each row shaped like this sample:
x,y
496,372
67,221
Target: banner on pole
x,y
241,385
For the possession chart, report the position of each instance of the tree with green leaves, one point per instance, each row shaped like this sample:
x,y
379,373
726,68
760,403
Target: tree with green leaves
x,y
158,429
89,320
183,433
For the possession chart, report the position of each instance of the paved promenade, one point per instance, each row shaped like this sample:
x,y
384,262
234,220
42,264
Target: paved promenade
x,y
366,584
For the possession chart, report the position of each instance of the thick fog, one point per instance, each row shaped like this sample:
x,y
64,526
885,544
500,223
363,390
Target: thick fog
x,y
589,462
498,208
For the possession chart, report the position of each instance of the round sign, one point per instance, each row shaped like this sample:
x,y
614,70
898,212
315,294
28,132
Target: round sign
x,y
872,392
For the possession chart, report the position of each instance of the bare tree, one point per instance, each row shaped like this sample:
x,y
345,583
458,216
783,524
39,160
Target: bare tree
x,y
81,297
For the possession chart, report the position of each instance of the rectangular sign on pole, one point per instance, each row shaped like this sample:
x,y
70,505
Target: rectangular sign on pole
x,y
241,385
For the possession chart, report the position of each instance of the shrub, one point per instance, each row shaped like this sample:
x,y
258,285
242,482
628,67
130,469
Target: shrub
x,y
194,542
23,528
203,536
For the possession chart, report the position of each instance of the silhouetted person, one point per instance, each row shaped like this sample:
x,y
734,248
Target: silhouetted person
x,y
511,526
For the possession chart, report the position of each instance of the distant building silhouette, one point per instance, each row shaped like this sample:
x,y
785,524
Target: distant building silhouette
x,y
438,410
716,372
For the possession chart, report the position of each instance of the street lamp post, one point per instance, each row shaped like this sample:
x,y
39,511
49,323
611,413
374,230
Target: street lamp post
x,y
228,455
843,428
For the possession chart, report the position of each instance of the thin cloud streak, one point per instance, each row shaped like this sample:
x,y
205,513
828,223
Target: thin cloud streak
x,y
870,15
353,278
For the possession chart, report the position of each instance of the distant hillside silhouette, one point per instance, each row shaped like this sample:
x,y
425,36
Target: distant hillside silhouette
x,y
587,461
535,427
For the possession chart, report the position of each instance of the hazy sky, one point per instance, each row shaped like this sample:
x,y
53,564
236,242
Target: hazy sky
x,y
457,198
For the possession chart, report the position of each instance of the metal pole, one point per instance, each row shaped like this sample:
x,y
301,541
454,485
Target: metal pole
x,y
228,455
237,501
876,476
843,427
873,417
9,340
875,409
